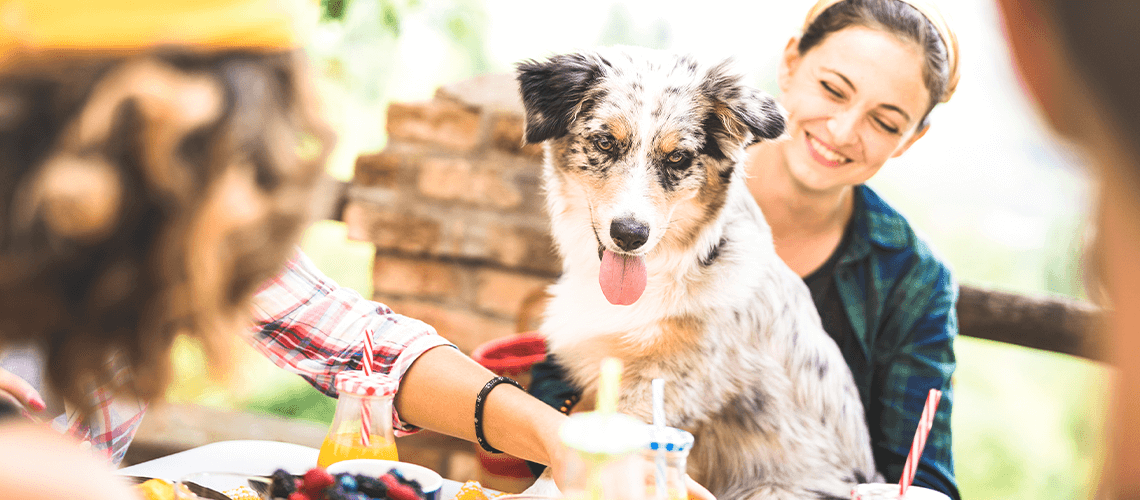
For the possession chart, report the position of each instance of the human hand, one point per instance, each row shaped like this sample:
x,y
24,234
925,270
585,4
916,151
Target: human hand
x,y
20,393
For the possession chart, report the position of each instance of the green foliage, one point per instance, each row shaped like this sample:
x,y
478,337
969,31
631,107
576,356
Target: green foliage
x,y
333,9
1027,424
296,400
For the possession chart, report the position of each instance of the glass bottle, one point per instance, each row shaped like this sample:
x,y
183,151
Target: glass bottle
x,y
666,458
362,398
605,463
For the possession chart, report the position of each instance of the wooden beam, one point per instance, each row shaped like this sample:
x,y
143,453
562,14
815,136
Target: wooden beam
x,y
1053,324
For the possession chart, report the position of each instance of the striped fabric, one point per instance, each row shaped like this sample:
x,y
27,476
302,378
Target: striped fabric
x,y
310,326
306,324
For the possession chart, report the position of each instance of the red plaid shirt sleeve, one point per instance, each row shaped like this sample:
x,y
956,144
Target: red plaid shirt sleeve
x,y
309,325
108,431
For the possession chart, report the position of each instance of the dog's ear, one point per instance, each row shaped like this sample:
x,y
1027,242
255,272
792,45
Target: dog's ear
x,y
740,114
553,91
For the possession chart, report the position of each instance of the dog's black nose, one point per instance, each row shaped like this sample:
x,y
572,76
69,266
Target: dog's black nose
x,y
629,233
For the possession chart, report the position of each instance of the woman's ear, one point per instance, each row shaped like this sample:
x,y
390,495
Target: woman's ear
x,y
789,63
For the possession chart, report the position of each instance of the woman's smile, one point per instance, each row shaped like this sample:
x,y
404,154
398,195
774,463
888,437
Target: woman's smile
x,y
823,153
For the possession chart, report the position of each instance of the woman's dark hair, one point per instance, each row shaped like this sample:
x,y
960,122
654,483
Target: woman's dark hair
x,y
892,16
145,196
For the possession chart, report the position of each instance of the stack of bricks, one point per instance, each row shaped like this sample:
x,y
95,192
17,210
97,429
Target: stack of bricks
x,y
455,208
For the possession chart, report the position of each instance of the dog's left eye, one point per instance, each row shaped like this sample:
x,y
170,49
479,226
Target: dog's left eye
x,y
676,157
604,143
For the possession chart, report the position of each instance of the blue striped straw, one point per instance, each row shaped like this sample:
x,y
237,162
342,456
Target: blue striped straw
x,y
659,423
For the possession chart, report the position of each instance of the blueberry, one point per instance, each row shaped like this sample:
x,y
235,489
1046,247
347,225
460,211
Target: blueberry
x,y
347,482
282,484
371,486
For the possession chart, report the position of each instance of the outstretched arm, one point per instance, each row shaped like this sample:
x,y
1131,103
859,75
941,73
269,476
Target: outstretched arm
x,y
439,390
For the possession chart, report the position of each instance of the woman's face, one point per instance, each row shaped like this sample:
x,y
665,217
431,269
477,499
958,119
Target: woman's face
x,y
853,101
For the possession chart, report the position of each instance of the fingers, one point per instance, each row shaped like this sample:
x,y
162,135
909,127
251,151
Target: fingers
x,y
696,491
20,392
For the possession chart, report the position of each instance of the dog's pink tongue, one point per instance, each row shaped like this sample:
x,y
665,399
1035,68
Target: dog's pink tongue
x,y
622,278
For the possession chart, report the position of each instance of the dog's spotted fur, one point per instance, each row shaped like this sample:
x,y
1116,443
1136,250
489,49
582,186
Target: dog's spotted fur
x,y
732,330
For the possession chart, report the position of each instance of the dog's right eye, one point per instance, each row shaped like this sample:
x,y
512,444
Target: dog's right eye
x,y
604,143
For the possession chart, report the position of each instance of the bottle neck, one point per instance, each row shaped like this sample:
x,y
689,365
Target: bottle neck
x,y
350,411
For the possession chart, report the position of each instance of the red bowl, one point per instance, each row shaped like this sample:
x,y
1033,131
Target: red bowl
x,y
513,354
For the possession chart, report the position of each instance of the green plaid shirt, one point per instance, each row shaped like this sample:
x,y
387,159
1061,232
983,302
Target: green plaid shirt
x,y
899,299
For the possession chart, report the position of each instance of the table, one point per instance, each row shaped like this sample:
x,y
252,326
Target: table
x,y
255,458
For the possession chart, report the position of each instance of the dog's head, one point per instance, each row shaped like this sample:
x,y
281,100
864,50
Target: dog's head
x,y
650,140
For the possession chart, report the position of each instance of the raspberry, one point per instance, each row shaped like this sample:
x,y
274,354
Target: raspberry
x,y
390,481
398,490
316,480
404,480
398,475
297,495
402,492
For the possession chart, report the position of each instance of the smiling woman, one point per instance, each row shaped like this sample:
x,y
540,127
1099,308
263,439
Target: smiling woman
x,y
858,85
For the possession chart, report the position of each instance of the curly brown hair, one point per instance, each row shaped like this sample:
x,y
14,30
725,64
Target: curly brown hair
x,y
144,196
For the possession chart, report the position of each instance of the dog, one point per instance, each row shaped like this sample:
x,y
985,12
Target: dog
x,y
668,265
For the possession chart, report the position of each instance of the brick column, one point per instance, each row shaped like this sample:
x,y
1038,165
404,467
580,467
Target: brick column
x,y
454,206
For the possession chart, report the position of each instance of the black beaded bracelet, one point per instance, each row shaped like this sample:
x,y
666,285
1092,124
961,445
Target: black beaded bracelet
x,y
480,401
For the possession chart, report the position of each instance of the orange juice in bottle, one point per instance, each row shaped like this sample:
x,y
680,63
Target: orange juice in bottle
x,y
362,424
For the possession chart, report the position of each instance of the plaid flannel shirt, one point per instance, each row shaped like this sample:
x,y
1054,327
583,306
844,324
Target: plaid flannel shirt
x,y
305,324
310,326
900,300
111,426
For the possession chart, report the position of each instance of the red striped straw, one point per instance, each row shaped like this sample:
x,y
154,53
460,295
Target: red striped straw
x,y
365,408
925,422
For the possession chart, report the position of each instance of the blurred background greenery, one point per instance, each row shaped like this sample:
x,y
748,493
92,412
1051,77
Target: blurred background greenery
x,y
1000,198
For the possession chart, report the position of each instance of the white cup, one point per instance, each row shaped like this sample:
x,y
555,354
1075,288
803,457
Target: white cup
x,y
881,491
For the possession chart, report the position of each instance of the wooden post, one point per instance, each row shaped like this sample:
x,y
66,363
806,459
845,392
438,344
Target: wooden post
x,y
1048,323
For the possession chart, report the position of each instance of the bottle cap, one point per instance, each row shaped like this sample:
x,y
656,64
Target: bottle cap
x,y
669,439
355,382
604,433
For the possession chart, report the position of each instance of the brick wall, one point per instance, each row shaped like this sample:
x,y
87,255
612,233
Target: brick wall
x,y
454,206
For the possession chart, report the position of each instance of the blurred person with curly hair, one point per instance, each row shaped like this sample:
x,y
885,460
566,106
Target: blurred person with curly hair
x,y
156,166
1080,61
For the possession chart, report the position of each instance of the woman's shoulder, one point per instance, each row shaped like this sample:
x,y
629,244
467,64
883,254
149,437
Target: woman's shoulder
x,y
894,241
